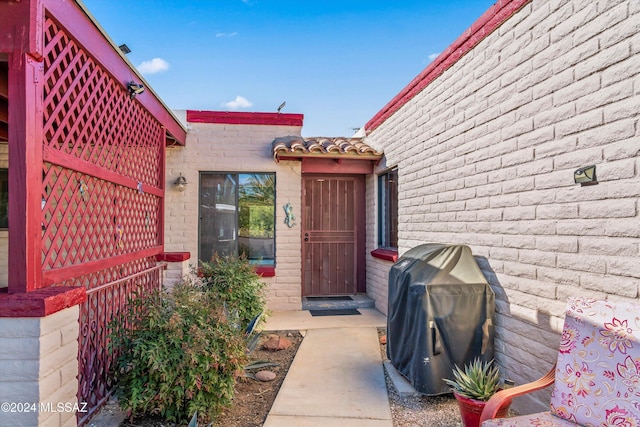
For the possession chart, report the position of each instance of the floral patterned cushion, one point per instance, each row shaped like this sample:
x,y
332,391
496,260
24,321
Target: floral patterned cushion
x,y
543,419
597,380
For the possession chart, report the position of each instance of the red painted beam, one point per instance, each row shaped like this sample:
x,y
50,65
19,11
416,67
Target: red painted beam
x,y
243,118
21,28
58,275
495,16
77,22
71,162
41,302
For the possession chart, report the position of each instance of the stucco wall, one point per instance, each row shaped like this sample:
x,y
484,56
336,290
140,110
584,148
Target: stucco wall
x,y
486,155
236,148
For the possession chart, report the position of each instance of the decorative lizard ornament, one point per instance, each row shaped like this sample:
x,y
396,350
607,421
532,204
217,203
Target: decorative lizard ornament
x,y
289,219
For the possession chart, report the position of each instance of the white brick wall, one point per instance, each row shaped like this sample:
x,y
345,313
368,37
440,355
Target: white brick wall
x,y
236,148
486,155
39,364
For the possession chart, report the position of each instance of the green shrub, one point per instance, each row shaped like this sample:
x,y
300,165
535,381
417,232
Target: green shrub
x,y
178,355
233,280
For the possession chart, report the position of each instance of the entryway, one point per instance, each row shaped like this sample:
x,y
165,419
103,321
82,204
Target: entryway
x,y
333,234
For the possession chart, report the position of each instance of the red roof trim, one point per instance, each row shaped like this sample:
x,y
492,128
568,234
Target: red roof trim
x,y
241,118
495,16
41,302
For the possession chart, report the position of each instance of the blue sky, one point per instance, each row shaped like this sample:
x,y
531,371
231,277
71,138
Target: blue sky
x,y
336,62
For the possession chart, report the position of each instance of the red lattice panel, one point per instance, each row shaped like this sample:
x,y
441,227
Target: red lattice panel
x,y
90,116
87,219
103,152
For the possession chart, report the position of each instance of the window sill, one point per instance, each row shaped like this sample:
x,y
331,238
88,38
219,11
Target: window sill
x,y
385,254
265,270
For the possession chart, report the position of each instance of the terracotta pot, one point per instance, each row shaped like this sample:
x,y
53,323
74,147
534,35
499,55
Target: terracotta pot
x,y
471,409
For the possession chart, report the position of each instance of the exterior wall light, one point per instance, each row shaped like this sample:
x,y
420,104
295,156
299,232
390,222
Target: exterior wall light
x,y
180,183
134,89
585,176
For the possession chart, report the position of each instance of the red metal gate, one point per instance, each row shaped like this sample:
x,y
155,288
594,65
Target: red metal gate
x,y
102,197
333,235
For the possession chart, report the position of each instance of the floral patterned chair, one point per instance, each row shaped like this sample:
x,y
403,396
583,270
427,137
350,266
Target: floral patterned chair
x,y
597,374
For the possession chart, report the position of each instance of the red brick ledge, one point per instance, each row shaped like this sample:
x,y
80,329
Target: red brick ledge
x,y
41,302
173,256
242,118
385,254
495,16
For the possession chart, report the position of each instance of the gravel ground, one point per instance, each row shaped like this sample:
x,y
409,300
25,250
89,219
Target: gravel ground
x,y
437,411
421,411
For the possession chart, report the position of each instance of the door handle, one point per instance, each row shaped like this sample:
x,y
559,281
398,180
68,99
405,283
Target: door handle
x,y
306,239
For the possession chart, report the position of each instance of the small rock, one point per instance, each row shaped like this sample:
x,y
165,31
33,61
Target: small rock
x,y
383,339
265,376
276,343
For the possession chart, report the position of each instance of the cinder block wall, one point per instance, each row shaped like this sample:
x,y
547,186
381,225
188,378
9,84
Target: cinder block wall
x,y
236,148
486,155
39,365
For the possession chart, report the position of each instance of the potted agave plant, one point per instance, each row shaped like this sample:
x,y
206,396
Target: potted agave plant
x,y
472,387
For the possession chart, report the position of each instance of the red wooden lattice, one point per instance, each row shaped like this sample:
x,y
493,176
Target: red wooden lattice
x,y
102,197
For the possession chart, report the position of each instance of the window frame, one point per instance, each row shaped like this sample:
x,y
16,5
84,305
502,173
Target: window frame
x,y
385,207
236,177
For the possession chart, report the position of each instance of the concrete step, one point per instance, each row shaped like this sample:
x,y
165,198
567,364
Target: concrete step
x,y
333,303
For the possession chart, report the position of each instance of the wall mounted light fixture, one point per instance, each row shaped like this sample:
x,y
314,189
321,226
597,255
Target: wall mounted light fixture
x,y
585,176
135,89
180,183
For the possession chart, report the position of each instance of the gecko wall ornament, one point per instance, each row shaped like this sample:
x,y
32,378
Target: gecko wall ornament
x,y
289,219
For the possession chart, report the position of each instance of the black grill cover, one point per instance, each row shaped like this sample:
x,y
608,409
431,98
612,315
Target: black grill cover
x,y
440,315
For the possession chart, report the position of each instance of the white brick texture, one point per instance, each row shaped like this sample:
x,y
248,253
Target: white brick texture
x,y
490,165
235,148
39,364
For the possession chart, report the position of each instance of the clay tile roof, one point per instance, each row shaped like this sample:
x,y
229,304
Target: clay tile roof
x,y
296,146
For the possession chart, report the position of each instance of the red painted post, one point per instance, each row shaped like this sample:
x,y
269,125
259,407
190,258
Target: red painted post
x,y
25,173
162,175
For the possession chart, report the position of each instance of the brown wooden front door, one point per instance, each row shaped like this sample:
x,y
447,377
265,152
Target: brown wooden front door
x,y
333,235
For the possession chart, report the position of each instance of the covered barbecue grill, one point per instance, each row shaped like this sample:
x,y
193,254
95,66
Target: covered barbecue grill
x,y
440,314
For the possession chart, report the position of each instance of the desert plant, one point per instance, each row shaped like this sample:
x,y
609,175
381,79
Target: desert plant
x,y
179,355
235,283
478,380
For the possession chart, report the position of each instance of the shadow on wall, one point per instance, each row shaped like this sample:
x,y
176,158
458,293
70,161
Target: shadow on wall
x,y
526,345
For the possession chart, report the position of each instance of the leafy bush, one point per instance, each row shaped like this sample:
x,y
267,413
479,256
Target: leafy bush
x,y
233,280
178,355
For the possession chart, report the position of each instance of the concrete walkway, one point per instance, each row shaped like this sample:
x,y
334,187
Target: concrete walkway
x,y
336,377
